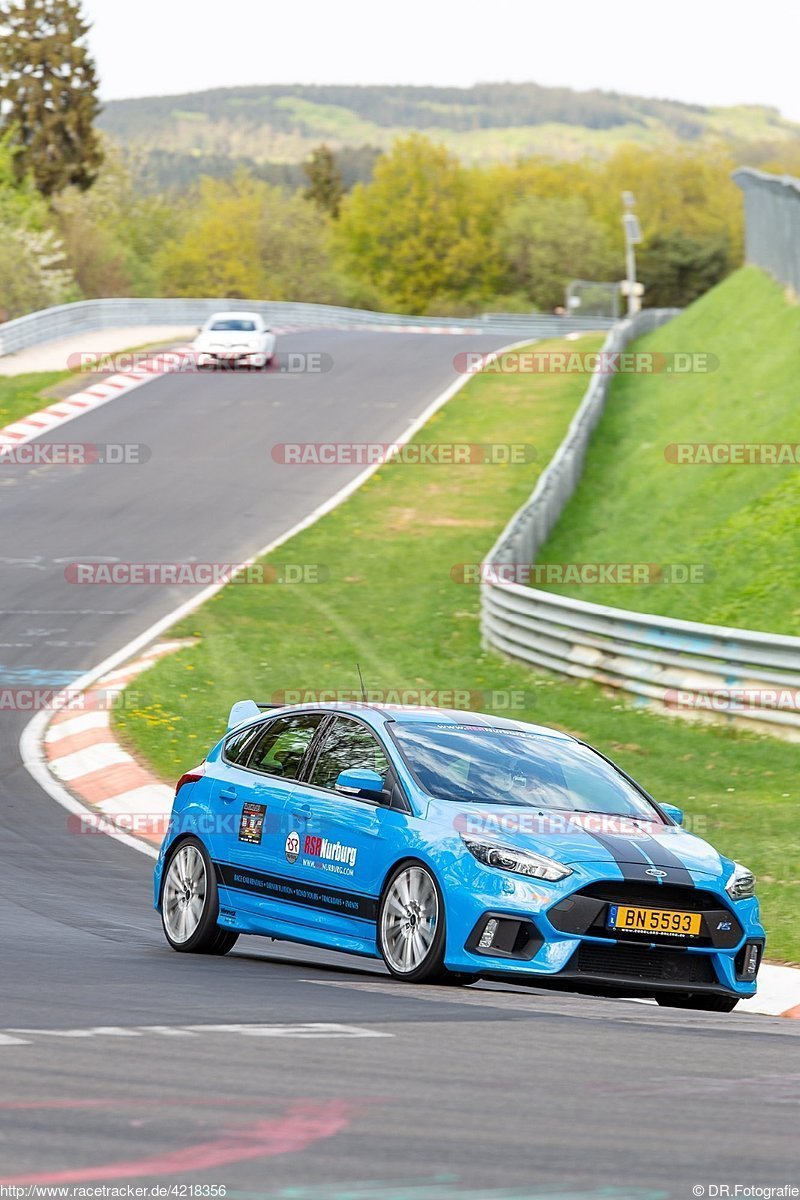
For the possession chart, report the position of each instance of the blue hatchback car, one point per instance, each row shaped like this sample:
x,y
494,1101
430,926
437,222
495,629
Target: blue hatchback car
x,y
454,846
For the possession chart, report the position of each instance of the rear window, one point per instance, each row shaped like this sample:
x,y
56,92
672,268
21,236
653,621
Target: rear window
x,y
234,326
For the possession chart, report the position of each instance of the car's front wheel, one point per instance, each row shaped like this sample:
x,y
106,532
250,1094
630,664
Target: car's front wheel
x,y
698,1001
411,927
190,903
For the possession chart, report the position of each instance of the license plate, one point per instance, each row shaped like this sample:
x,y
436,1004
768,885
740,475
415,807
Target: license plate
x,y
628,919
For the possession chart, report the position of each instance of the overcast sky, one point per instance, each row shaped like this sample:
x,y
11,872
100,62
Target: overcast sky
x,y
703,51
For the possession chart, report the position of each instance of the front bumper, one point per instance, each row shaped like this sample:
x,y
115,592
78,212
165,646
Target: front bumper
x,y
230,358
556,935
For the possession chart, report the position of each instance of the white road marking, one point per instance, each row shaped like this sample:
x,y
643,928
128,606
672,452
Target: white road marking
x,y
309,1030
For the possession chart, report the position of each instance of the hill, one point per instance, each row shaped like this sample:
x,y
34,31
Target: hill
x,y
635,503
280,124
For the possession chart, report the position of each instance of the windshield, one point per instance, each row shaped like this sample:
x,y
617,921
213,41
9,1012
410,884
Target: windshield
x,y
234,325
476,765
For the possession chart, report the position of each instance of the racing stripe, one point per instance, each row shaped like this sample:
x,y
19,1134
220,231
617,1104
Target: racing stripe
x,y
635,857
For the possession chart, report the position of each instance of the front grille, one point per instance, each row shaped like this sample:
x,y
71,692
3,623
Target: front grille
x,y
639,963
653,895
586,912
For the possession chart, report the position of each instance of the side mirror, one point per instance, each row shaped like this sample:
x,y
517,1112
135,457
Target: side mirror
x,y
361,779
672,811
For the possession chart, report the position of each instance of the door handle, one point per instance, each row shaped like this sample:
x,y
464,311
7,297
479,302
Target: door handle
x,y
228,794
303,812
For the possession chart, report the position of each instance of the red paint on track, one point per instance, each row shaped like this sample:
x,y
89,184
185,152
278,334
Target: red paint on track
x,y
303,1123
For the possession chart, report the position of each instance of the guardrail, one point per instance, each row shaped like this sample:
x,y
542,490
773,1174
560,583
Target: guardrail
x,y
87,316
686,667
772,223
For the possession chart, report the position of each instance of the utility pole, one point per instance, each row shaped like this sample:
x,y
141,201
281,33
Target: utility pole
x,y
633,235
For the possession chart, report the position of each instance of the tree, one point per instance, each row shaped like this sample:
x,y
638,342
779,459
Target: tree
x,y
325,187
32,272
113,233
48,92
676,267
420,233
546,242
246,239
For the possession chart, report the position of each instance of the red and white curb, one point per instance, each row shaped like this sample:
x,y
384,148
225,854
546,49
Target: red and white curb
x,y
119,795
20,432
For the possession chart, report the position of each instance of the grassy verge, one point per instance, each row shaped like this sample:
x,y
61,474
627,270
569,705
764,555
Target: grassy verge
x,y
633,505
21,395
391,604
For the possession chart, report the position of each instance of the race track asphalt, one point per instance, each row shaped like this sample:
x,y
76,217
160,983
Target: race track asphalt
x,y
111,1071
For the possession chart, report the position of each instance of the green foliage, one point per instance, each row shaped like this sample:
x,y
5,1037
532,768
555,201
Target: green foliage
x,y
112,234
33,270
421,231
246,239
677,267
325,186
48,93
546,242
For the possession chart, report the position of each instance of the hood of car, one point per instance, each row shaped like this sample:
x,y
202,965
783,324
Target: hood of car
x,y
572,838
226,337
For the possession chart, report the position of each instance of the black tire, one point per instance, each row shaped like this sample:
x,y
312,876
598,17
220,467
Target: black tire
x,y
190,888
430,966
698,1001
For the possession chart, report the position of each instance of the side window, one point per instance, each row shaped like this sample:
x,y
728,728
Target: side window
x,y
282,747
237,746
347,746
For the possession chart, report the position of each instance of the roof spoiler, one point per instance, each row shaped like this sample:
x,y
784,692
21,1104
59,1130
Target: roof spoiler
x,y
247,710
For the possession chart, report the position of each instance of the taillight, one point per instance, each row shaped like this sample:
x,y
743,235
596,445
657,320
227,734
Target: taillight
x,y
191,776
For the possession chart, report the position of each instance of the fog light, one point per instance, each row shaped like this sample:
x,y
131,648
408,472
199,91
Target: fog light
x,y
752,955
487,937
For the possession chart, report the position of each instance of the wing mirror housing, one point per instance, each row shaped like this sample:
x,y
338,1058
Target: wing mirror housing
x,y
671,810
363,781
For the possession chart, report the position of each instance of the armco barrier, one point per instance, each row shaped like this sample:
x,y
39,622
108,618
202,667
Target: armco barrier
x,y
772,223
87,316
748,677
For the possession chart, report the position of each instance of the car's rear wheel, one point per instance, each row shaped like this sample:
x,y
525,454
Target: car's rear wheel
x,y
190,903
699,1001
411,927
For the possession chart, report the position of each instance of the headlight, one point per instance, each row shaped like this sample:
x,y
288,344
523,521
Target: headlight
x,y
520,862
742,883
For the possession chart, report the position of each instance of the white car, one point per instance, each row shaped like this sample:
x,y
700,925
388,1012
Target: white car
x,y
234,338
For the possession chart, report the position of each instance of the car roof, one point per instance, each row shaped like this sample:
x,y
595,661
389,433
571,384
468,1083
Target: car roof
x,y
380,714
238,316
